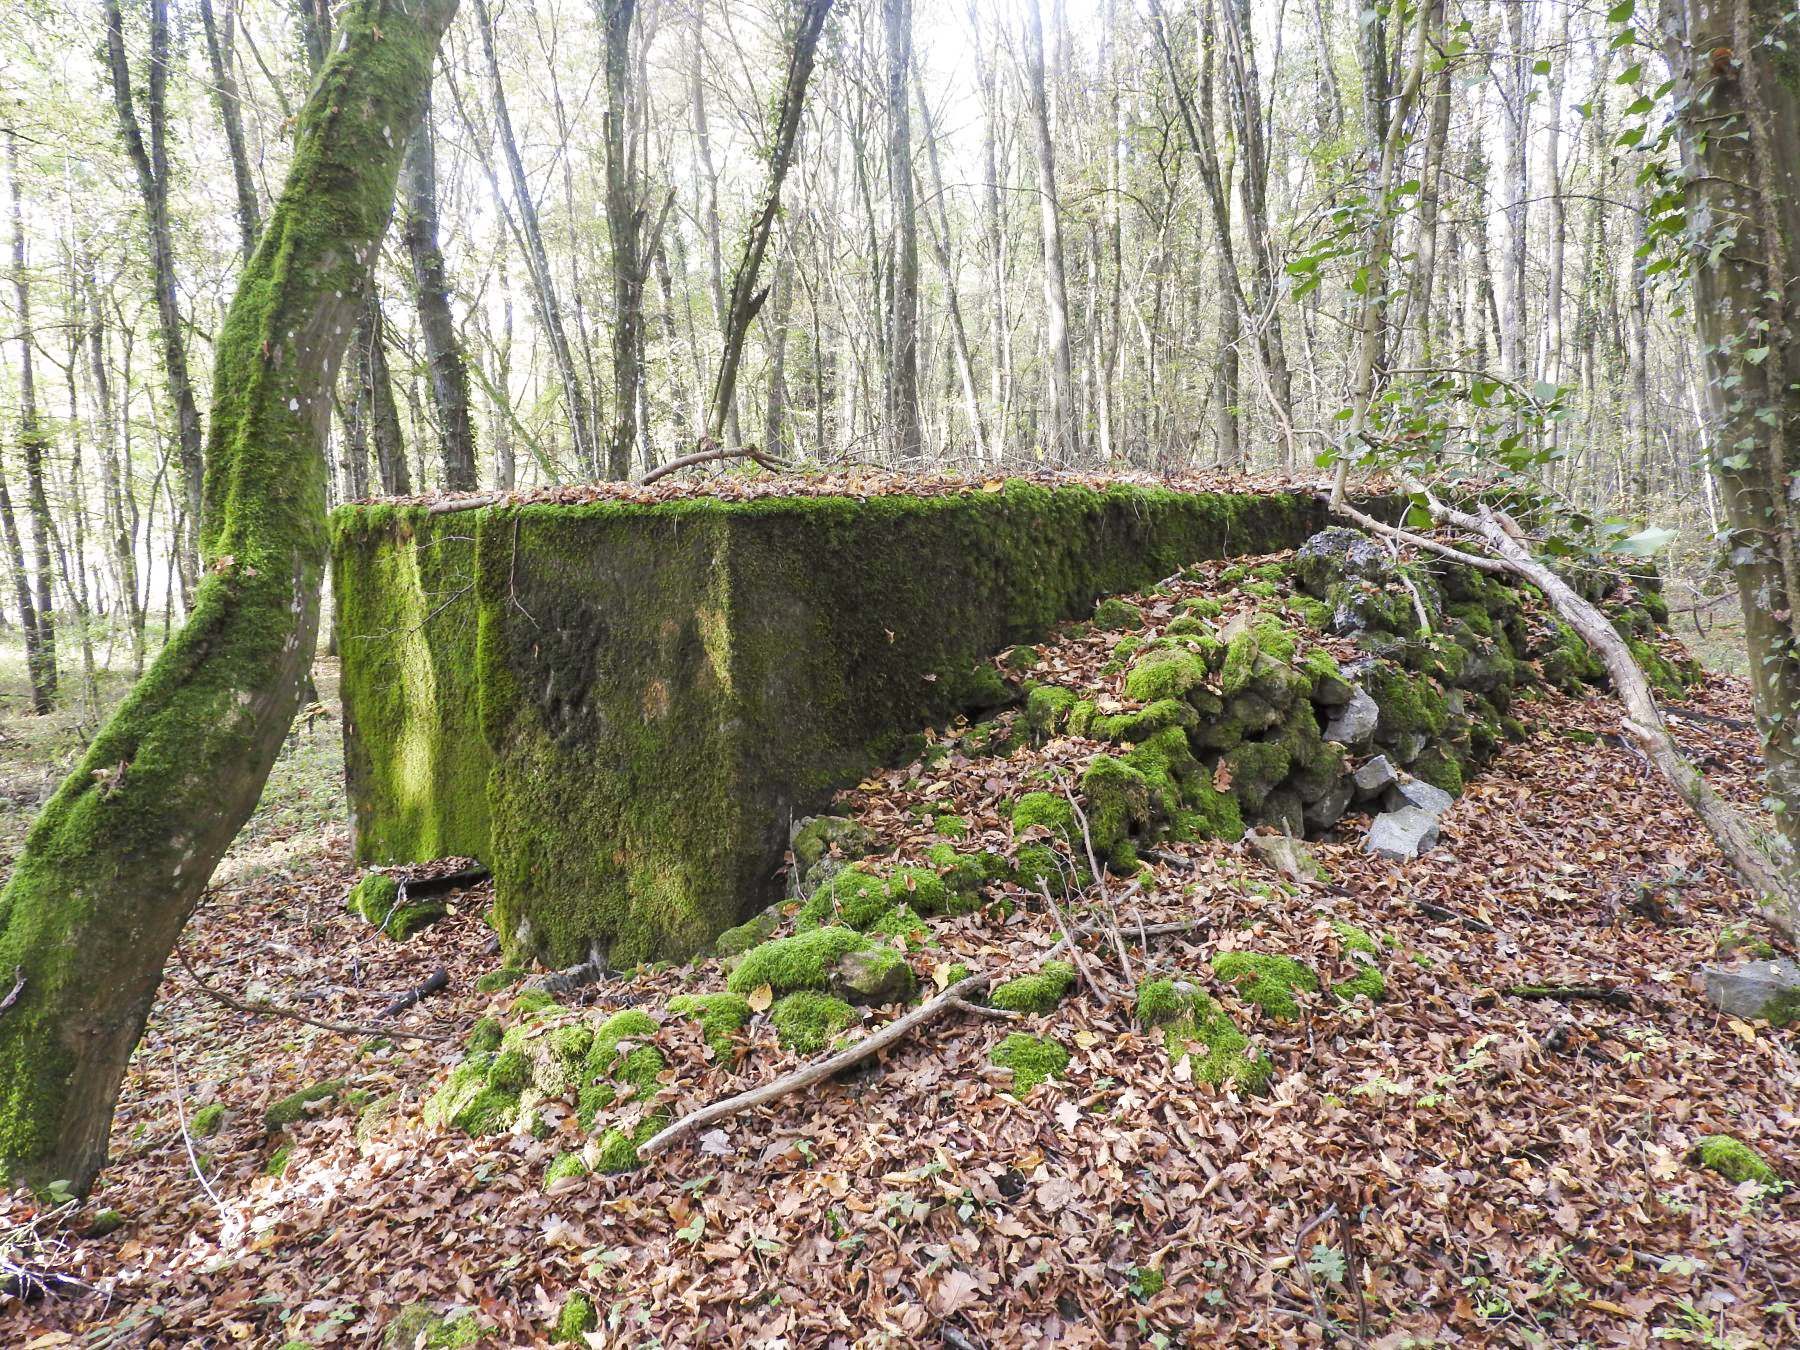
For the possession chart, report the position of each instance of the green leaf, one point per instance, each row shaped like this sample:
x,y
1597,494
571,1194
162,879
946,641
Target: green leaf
x,y
1645,542
1540,67
1621,13
1757,355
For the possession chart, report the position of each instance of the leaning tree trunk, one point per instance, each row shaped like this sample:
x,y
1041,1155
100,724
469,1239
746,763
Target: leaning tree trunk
x,y
118,858
231,116
746,297
1065,442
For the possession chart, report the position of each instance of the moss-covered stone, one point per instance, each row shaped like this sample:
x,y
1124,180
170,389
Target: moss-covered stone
x,y
1047,709
299,1105
1115,613
1165,672
1735,1160
577,1318
803,961
622,1063
1032,1059
417,1327
1267,980
818,836
495,980
754,930
806,1020
1036,993
1196,1028
721,1017
485,1035
1049,809
603,635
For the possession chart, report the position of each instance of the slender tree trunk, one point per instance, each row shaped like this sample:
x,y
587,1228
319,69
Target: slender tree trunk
x,y
625,228
709,206
116,861
21,579
151,163
537,262
903,316
115,485
1516,124
444,352
225,94
375,391
1064,441
746,295
993,217
37,618
937,230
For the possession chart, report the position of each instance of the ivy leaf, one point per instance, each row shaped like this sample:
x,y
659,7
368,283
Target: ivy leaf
x,y
1645,542
1757,355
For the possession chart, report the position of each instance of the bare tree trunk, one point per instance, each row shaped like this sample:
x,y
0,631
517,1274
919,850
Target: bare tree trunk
x,y
120,531
937,230
1064,439
903,317
746,297
625,228
225,94
1515,87
116,861
999,332
375,390
37,618
537,262
152,166
709,212
444,352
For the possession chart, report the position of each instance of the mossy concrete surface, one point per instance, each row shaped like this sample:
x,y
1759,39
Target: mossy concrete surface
x,y
618,707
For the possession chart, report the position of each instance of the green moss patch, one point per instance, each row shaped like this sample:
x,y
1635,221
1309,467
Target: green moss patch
x,y
300,1105
1116,613
1735,1160
562,1166
806,1020
495,980
804,961
1269,981
721,1017
577,1318
1196,1028
620,1064
1032,1059
1037,993
207,1121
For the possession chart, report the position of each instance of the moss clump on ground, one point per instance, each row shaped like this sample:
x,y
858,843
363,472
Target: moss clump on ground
x,y
377,898
486,1034
535,1001
496,980
721,1017
1116,613
278,1160
803,961
1047,708
298,1105
207,1121
806,1020
1049,809
552,1060
1032,1060
1038,993
562,1166
577,1318
1735,1160
1191,1021
418,1328
469,1102
619,1065
1267,980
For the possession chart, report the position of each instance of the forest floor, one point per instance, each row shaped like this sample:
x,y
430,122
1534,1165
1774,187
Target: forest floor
x,y
1452,1165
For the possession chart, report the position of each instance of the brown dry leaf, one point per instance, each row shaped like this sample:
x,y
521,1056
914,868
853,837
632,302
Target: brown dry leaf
x,y
760,998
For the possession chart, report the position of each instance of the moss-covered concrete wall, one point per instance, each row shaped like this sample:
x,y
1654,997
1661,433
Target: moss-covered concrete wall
x,y
648,693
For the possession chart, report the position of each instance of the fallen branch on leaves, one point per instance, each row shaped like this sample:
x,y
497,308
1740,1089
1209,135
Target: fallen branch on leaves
x,y
261,1009
1570,993
438,979
571,978
769,462
951,1000
1754,854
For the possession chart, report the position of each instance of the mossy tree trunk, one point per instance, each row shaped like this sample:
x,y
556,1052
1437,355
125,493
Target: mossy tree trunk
x,y
116,861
